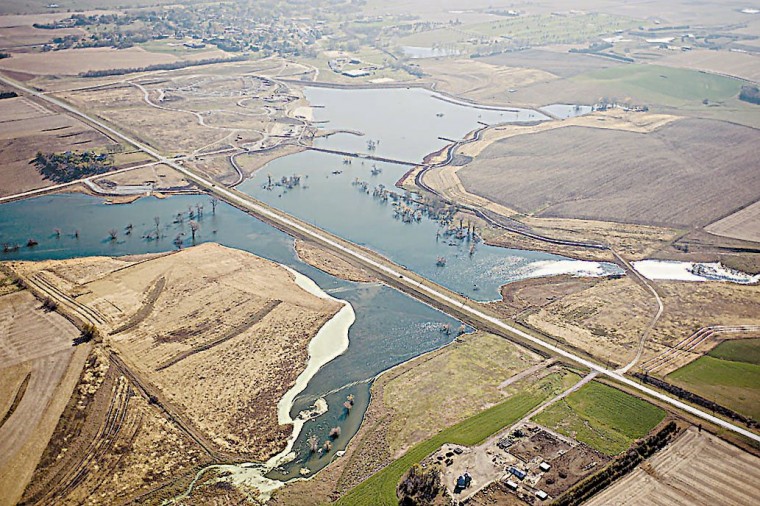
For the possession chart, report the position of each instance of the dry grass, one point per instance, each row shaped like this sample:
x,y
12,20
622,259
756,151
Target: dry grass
x,y
608,318
479,81
230,390
472,371
330,263
680,175
698,469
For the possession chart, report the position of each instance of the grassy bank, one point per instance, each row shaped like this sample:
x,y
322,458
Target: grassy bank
x,y
380,488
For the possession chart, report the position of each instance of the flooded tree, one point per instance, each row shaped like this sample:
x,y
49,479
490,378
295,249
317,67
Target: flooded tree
x,y
194,226
57,232
335,432
190,212
313,443
157,221
113,234
214,202
76,234
199,210
327,446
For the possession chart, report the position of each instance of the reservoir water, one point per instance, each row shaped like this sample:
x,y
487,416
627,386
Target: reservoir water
x,y
390,327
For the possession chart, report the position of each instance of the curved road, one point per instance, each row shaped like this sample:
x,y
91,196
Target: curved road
x,y
246,202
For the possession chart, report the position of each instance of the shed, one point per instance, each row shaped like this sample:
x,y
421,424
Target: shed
x,y
544,466
542,495
517,472
512,484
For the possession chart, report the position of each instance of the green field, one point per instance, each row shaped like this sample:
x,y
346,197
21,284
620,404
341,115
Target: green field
x,y
380,488
654,84
735,385
603,417
538,30
738,350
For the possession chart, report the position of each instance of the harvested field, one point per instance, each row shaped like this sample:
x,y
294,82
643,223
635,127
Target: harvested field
x,y
38,369
27,127
742,65
743,224
74,61
596,174
562,64
697,469
222,338
478,81
120,448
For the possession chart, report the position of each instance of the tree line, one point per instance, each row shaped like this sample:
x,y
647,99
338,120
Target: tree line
x,y
70,166
161,66
750,94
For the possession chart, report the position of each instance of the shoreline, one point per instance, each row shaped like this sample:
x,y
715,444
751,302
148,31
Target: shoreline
x,y
328,343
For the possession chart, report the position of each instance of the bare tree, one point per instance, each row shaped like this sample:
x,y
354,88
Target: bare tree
x,y
113,234
194,226
313,443
214,202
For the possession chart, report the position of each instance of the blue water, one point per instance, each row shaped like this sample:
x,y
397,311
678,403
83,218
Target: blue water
x,y
390,326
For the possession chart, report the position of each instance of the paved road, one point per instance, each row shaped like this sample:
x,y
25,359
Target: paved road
x,y
436,293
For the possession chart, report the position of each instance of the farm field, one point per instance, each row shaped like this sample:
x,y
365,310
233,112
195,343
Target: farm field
x,y
603,417
73,61
26,128
609,175
733,384
38,371
559,63
742,65
743,224
738,350
478,81
533,30
220,333
696,469
121,448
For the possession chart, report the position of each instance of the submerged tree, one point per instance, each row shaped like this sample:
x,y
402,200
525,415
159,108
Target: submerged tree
x,y
194,226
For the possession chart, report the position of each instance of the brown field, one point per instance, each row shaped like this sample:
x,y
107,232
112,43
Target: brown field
x,y
220,334
26,128
742,65
21,37
110,445
38,369
478,81
697,469
562,64
73,61
608,318
679,175
743,224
